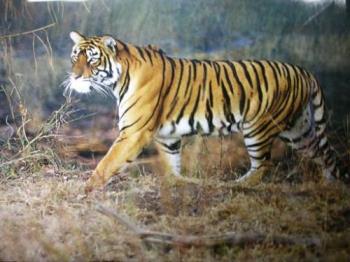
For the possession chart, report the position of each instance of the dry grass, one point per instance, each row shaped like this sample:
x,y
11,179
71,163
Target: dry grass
x,y
44,214
46,217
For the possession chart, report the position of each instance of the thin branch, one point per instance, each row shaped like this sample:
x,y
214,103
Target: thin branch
x,y
317,14
27,32
229,238
47,48
14,161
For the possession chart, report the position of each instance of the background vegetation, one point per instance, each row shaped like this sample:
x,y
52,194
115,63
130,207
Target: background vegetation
x,y
48,146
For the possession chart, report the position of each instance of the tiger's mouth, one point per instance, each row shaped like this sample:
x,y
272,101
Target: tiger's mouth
x,y
83,85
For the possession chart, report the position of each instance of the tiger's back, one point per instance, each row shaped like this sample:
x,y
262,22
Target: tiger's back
x,y
225,96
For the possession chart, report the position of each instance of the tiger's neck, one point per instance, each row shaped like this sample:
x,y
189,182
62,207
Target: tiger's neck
x,y
139,66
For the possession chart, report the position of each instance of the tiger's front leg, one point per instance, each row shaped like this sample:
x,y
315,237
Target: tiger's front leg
x,y
124,150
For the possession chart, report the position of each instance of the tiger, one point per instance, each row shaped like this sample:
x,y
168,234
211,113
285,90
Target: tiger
x,y
161,98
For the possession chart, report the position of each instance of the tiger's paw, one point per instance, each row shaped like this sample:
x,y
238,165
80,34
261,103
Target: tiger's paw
x,y
96,181
251,178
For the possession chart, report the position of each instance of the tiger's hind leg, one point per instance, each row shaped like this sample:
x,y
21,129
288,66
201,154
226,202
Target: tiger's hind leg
x,y
308,138
258,141
170,151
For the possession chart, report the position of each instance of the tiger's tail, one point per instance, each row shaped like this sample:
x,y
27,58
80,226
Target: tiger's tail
x,y
324,150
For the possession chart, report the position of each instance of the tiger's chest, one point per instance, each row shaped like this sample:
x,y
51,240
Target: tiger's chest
x,y
204,127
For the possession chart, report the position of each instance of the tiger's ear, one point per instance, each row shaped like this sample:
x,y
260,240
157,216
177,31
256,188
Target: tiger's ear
x,y
109,42
76,37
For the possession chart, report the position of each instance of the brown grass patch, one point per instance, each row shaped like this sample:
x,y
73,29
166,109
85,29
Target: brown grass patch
x,y
44,216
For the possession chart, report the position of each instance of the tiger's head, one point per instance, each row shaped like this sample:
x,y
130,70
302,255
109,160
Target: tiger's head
x,y
94,65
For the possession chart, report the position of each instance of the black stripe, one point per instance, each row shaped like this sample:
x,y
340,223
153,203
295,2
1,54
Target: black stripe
x,y
274,74
141,53
246,73
262,143
321,121
299,138
246,110
319,104
204,77
324,146
227,78
191,119
127,126
211,94
148,53
300,90
194,62
266,85
294,87
173,127
175,152
257,83
242,98
126,110
284,106
217,72
183,108
257,130
284,66
265,156
125,46
175,100
189,79
263,73
227,105
125,86
109,74
209,117
277,64
171,147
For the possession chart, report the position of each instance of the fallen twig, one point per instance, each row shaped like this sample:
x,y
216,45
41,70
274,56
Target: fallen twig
x,y
229,238
14,161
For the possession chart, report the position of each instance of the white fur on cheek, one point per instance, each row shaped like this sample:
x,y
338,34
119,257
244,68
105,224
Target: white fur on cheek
x,y
80,85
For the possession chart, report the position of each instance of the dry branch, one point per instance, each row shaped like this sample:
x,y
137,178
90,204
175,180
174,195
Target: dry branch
x,y
229,238
317,14
27,32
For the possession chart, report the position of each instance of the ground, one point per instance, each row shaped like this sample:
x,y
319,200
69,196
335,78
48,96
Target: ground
x,y
46,216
